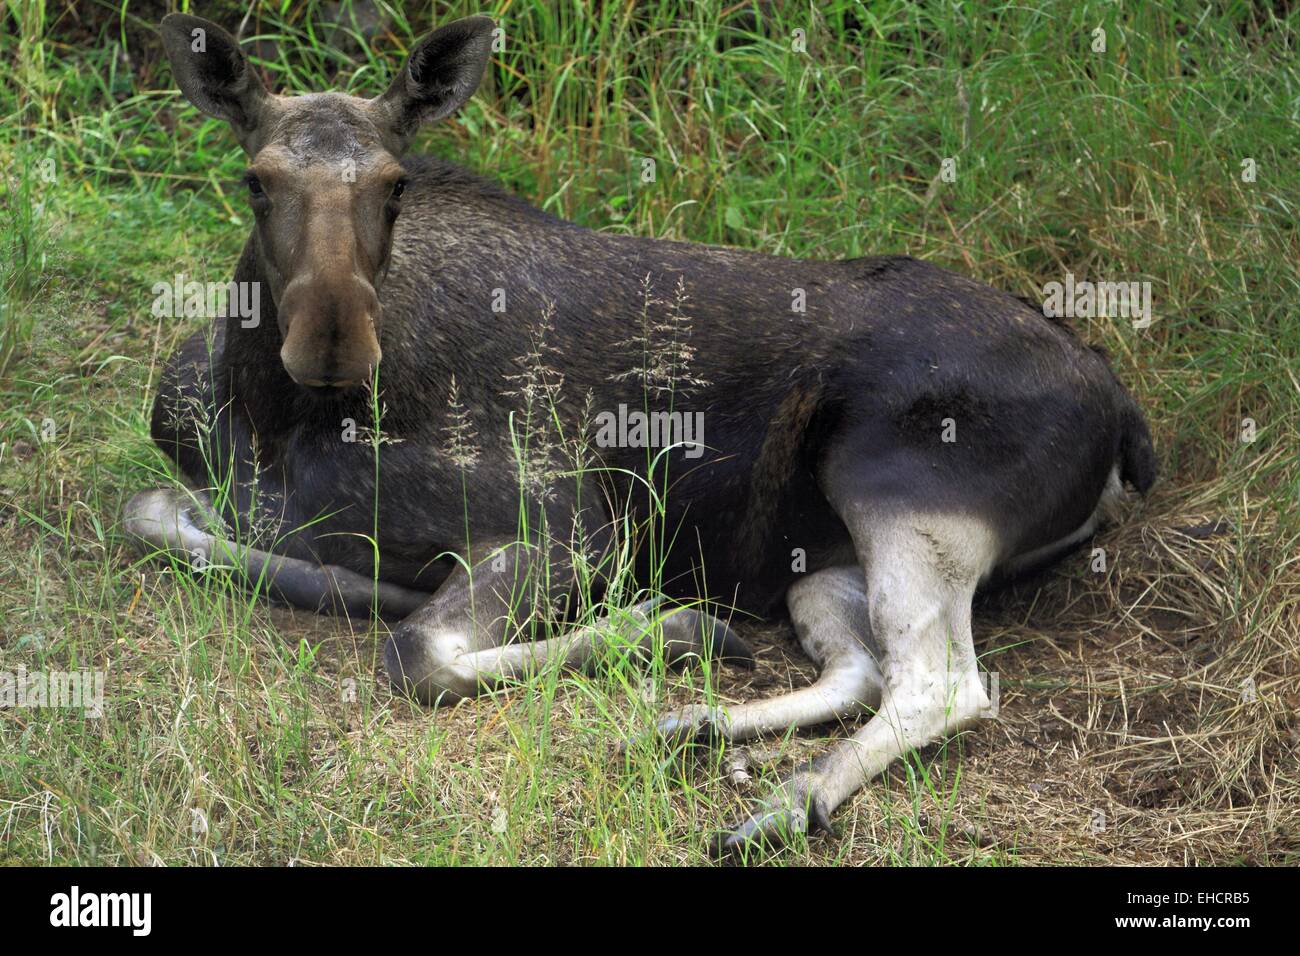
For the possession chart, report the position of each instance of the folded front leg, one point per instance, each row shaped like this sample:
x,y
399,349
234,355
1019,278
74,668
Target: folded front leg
x,y
176,523
464,639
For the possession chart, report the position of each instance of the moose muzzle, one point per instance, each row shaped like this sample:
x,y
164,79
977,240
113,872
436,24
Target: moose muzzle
x,y
330,331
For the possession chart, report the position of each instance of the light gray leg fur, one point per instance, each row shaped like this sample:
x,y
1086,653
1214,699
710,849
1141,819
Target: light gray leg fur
x,y
830,613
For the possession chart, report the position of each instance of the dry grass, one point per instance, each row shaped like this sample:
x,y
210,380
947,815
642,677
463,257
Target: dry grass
x,y
1126,735
1125,693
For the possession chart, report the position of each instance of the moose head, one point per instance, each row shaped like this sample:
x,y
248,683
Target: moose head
x,y
325,181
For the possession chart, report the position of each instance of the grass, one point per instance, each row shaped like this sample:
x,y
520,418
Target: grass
x,y
1148,711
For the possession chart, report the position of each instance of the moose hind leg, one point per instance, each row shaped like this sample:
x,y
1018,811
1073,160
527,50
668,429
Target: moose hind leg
x,y
830,613
921,572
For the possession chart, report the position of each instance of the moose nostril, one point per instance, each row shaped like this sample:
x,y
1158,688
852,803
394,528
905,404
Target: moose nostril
x,y
329,381
328,356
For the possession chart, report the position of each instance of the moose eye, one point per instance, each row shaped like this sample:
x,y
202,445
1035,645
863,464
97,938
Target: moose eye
x,y
254,185
399,187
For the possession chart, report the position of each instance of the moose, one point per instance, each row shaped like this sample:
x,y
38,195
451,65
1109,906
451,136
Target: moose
x,y
909,435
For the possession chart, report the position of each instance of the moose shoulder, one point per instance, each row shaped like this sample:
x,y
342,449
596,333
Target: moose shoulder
x,y
867,441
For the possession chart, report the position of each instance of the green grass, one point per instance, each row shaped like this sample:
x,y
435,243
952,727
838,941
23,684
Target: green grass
x,y
1119,165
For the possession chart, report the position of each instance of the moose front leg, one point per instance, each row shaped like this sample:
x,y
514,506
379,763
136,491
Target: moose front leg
x,y
176,523
464,639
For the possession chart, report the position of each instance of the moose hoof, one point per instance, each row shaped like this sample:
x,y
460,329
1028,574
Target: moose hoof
x,y
693,724
690,630
796,807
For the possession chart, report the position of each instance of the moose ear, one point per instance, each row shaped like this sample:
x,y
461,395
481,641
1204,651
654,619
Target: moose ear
x,y
213,72
441,73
